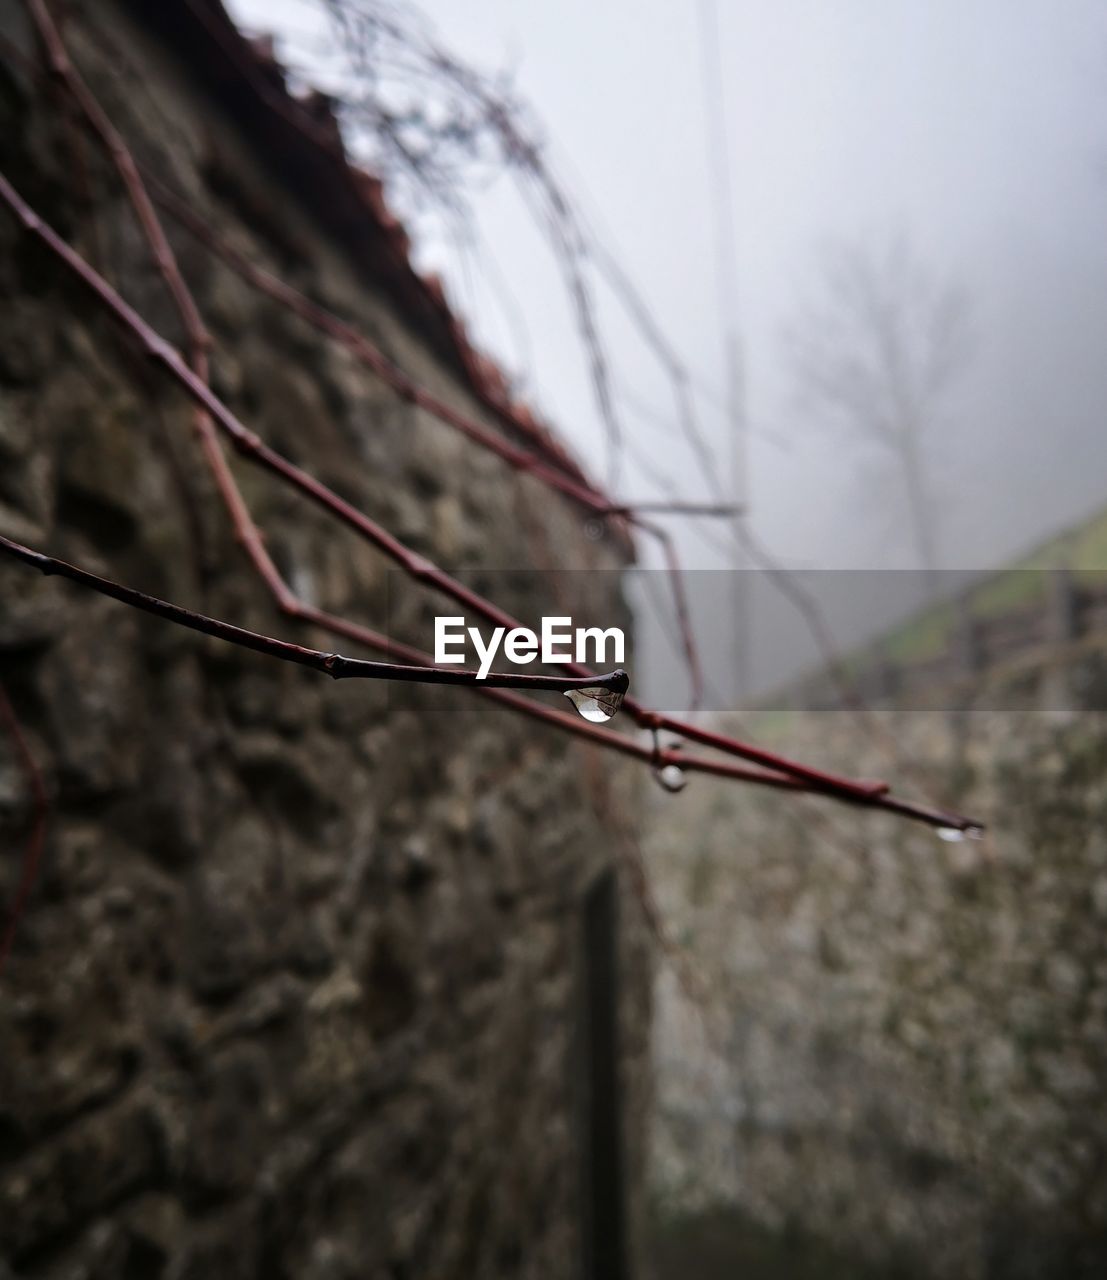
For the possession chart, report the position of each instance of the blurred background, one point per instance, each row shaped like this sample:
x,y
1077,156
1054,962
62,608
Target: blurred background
x,y
824,286
846,268
843,265
867,241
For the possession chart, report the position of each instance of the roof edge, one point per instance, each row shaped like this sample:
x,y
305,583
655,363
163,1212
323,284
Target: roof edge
x,y
303,145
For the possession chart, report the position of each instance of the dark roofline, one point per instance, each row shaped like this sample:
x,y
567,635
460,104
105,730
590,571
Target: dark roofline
x,y
300,141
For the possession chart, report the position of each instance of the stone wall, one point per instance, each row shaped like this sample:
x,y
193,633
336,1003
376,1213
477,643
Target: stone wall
x,y
298,991
907,1050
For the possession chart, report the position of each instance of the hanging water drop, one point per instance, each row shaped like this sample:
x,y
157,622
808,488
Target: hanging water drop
x,y
954,835
598,703
595,704
951,835
671,777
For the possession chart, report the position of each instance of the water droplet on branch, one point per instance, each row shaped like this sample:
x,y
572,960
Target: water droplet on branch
x,y
954,835
595,704
671,777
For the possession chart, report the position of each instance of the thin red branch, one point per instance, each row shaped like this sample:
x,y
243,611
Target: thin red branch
x,y
198,339
246,530
332,664
252,540
418,667
613,740
521,460
199,343
61,66
344,333
250,445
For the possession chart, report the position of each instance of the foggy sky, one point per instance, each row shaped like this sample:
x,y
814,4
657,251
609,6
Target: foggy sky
x,y
977,128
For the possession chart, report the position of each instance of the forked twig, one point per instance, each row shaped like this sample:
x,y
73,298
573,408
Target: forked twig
x,y
199,343
522,460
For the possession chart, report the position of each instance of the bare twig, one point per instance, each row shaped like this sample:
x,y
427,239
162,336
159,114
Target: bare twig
x,y
522,460
478,111
417,669
331,664
552,472
676,507
254,449
245,528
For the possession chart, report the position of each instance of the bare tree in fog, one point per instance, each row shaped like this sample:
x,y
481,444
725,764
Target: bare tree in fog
x,y
874,354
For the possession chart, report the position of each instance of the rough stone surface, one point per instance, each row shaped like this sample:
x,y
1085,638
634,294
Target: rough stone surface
x,y
910,1037
297,993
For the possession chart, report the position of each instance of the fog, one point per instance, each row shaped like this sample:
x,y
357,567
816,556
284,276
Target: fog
x,y
973,132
